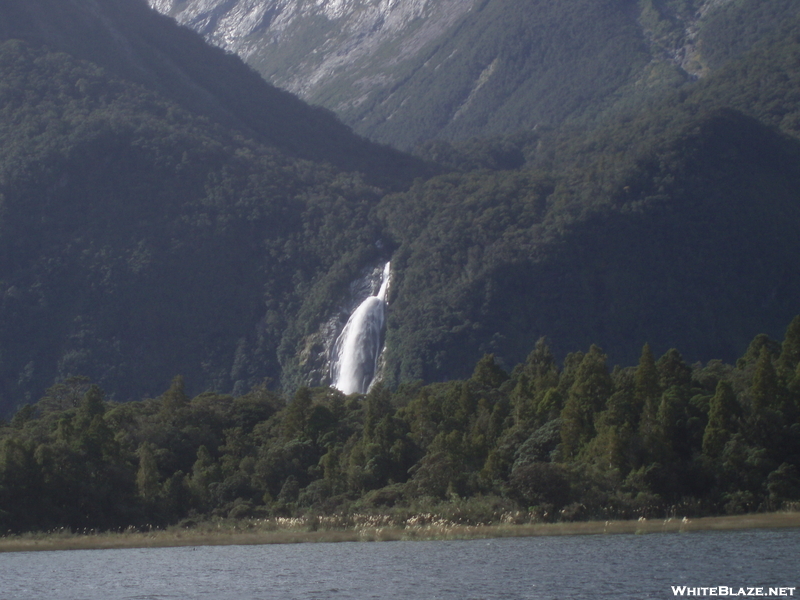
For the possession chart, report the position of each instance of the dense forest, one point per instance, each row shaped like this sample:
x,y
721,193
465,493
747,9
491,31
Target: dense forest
x,y
547,441
126,219
156,222
164,211
130,42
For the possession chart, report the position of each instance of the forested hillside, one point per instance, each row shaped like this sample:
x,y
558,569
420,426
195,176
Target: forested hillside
x,y
651,225
138,241
541,443
165,212
136,44
167,216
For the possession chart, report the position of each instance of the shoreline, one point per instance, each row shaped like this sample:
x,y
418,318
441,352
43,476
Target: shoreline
x,y
246,533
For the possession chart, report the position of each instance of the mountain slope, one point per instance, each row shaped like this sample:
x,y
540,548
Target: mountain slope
x,y
409,71
671,224
147,230
693,250
136,43
141,236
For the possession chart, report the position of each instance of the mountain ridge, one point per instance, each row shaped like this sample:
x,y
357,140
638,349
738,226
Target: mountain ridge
x,y
142,237
139,239
138,44
406,61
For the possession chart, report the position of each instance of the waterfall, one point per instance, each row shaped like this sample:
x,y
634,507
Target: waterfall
x,y
358,347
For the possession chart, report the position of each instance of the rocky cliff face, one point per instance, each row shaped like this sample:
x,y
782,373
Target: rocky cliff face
x,y
305,46
404,71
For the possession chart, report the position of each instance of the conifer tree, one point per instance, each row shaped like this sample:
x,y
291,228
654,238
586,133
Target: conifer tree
x,y
793,394
588,394
540,367
377,405
535,379
790,350
204,472
175,397
612,446
646,389
487,374
722,414
765,391
147,475
92,404
550,406
673,371
760,342
671,424
295,419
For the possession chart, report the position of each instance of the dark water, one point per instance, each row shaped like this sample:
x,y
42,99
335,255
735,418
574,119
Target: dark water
x,y
613,566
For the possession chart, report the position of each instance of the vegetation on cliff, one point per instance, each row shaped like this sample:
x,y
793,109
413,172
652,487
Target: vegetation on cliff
x,y
164,211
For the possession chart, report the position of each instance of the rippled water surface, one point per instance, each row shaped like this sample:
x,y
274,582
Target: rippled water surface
x,y
613,566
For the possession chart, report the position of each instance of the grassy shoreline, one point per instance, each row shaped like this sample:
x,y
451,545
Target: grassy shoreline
x,y
250,533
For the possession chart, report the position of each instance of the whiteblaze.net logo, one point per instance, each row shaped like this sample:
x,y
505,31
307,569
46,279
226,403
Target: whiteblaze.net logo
x,y
723,590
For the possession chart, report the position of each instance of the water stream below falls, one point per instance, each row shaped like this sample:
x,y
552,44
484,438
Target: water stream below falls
x,y
358,347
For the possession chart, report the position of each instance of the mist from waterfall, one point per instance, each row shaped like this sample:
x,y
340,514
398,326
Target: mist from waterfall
x,y
358,347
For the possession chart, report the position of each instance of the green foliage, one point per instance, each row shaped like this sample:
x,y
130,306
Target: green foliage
x,y
765,390
126,219
147,475
107,466
587,395
146,231
790,350
722,419
129,40
505,257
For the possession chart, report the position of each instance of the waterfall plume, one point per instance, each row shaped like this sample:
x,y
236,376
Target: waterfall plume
x,y
358,347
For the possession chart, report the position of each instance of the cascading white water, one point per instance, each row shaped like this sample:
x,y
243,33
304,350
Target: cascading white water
x,y
358,347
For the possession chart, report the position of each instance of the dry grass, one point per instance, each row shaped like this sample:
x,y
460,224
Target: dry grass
x,y
372,529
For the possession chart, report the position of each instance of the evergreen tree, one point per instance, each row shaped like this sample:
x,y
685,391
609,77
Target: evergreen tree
x,y
332,470
295,419
646,376
646,391
759,343
588,394
204,473
147,475
20,485
673,371
672,425
611,449
175,398
91,405
764,391
793,395
377,405
487,374
537,376
790,350
550,406
723,412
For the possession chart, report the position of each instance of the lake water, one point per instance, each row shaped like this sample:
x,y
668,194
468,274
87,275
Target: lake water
x,y
544,568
